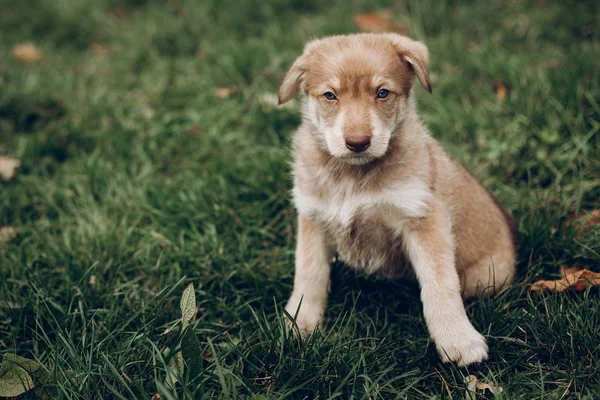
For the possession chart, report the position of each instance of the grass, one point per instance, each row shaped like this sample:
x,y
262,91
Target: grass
x,y
136,180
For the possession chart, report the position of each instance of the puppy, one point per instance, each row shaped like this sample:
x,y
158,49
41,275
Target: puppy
x,y
374,188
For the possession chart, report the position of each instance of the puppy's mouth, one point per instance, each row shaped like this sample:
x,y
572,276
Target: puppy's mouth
x,y
358,158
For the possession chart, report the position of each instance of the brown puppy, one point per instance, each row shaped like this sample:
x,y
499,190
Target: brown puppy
x,y
372,186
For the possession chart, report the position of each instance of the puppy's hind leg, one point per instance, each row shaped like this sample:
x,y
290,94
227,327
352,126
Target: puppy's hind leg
x,y
489,275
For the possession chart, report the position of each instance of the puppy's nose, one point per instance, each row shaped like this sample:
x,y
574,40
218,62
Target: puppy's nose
x,y
358,143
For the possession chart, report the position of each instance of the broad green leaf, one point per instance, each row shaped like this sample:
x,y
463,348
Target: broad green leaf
x,y
176,369
471,392
190,347
187,305
36,372
31,366
14,380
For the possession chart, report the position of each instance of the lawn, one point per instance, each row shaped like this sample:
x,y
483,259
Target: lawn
x,y
152,156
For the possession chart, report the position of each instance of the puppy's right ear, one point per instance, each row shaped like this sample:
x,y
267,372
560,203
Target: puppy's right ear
x,y
292,81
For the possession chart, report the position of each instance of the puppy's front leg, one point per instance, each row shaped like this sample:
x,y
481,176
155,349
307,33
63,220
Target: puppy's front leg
x,y
311,280
430,247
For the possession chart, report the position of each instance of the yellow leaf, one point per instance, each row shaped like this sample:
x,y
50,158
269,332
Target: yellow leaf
x,y
7,167
225,92
27,53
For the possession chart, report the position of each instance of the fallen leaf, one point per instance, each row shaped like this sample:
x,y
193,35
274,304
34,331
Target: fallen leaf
x,y
225,92
27,53
195,130
379,22
474,383
117,12
575,277
148,112
7,233
156,396
99,49
584,222
568,270
473,46
500,89
7,167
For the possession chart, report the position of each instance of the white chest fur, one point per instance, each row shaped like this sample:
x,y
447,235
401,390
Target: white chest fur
x,y
339,205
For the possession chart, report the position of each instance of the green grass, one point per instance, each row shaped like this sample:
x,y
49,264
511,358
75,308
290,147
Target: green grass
x,y
135,173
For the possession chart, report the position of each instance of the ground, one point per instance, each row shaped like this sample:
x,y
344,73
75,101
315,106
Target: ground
x,y
137,178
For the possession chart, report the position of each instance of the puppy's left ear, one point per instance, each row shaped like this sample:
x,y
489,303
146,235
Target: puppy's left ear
x,y
291,83
416,54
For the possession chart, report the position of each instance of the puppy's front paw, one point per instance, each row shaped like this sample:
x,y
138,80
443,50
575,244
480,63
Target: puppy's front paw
x,y
463,346
309,315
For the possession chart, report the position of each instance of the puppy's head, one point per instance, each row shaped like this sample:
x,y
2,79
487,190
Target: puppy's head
x,y
357,89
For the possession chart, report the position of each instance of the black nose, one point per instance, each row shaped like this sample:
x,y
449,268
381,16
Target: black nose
x,y
358,143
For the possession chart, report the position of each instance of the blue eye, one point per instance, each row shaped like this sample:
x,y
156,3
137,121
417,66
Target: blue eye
x,y
383,93
329,96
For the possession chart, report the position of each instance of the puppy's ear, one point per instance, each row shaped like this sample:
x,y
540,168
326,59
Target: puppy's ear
x,y
291,83
416,54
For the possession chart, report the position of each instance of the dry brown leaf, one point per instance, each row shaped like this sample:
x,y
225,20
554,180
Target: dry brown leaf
x,y
117,12
584,222
482,385
156,396
7,233
27,53
99,49
473,46
195,130
575,277
500,89
379,22
225,92
568,270
7,167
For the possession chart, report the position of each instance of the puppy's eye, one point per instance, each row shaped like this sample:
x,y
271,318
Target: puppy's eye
x,y
383,93
329,96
